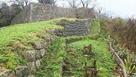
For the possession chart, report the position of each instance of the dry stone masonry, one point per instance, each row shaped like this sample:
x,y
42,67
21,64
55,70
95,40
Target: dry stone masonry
x,y
34,60
39,12
78,28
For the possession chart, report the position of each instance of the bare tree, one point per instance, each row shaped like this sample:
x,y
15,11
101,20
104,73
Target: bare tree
x,y
26,2
21,3
100,10
74,3
81,3
51,2
86,3
63,3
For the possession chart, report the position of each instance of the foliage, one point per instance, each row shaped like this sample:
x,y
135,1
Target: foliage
x,y
53,60
7,13
15,9
104,23
94,29
70,59
131,68
101,54
13,60
129,59
73,59
119,30
17,38
21,3
122,31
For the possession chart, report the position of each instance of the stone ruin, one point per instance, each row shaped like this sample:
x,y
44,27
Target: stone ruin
x,y
74,28
38,12
34,58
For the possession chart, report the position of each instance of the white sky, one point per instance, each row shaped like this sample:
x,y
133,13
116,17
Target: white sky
x,y
122,8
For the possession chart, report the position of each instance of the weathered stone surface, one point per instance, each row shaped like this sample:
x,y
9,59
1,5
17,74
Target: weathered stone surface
x,y
38,64
38,12
45,44
22,71
47,38
31,67
5,73
42,51
53,37
31,76
40,54
30,55
12,74
79,28
37,45
34,61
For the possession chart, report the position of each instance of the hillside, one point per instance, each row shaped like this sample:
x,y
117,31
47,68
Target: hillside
x,y
16,39
63,47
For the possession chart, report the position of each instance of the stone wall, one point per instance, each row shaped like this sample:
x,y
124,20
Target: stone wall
x,y
78,28
34,60
38,12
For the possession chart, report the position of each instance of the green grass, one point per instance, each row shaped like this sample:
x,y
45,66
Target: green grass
x,y
95,28
16,32
105,62
73,58
57,56
17,38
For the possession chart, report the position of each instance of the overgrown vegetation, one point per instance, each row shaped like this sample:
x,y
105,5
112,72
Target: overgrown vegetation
x,y
77,58
123,34
122,31
7,13
16,39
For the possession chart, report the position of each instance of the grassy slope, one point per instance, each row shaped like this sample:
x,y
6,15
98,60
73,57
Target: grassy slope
x,y
17,38
18,31
105,62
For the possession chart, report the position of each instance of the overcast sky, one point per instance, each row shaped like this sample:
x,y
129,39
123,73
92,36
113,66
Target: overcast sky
x,y
122,8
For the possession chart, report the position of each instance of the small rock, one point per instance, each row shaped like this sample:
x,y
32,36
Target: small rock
x,y
12,74
38,64
5,73
47,38
31,76
40,54
31,67
22,71
37,45
30,55
42,51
